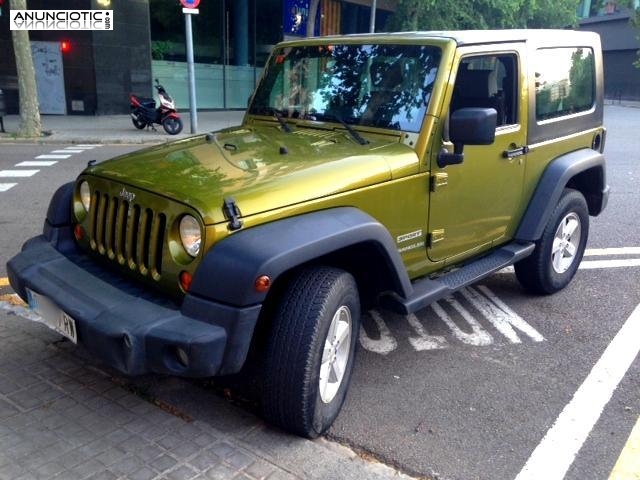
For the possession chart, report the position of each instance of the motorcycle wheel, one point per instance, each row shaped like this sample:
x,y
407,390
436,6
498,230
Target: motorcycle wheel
x,y
172,125
138,122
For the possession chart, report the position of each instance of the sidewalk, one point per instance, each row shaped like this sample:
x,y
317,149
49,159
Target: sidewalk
x,y
115,128
63,416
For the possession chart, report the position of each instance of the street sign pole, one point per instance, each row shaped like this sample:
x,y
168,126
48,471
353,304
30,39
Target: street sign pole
x,y
190,7
192,77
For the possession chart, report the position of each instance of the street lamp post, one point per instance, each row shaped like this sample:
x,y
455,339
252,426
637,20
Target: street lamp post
x,y
372,18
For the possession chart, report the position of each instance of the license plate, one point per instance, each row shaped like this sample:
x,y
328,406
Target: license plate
x,y
52,316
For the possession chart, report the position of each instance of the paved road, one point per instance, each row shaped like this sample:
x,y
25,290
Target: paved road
x,y
473,403
467,388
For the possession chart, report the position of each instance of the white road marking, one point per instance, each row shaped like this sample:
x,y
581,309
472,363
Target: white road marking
x,y
487,304
52,157
6,186
85,147
597,252
37,163
554,455
385,344
478,336
619,263
500,315
424,341
68,150
603,252
18,173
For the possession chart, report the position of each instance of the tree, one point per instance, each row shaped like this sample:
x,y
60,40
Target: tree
x,y
311,21
30,125
481,14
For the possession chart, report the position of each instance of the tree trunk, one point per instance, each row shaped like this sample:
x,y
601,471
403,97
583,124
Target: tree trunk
x,y
29,110
311,21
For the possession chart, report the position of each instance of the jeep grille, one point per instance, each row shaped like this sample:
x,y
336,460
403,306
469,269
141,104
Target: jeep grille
x,y
127,233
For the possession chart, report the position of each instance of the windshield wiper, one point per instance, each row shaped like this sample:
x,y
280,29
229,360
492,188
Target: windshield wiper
x,y
285,126
356,136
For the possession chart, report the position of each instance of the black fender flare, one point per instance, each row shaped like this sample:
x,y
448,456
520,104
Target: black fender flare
x,y
60,205
228,271
582,169
57,225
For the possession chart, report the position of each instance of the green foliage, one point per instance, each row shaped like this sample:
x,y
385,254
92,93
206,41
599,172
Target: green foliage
x,y
482,14
635,20
581,79
160,49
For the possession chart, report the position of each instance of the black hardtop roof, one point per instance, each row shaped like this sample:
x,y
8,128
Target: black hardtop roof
x,y
546,37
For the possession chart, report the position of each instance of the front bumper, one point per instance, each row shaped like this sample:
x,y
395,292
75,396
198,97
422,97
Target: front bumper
x,y
126,327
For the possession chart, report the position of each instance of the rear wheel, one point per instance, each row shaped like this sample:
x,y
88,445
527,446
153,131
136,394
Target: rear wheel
x,y
559,251
310,352
138,122
172,125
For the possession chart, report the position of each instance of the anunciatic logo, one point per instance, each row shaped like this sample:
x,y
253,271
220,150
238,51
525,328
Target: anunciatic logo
x,y
61,19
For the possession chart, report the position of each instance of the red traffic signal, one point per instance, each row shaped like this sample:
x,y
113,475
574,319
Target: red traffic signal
x,y
65,46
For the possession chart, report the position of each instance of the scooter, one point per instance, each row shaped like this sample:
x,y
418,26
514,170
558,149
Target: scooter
x,y
144,112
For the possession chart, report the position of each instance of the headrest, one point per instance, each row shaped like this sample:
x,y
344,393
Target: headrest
x,y
475,84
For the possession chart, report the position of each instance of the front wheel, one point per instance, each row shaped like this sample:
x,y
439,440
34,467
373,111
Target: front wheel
x,y
310,351
172,125
559,251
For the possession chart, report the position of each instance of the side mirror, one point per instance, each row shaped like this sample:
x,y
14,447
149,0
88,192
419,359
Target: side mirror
x,y
469,126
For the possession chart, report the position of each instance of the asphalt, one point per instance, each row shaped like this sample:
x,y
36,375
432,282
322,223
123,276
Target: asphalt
x,y
64,416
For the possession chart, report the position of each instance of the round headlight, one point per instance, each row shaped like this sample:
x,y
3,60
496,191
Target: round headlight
x,y
85,195
190,235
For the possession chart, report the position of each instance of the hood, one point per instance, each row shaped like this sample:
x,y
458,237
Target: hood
x,y
261,168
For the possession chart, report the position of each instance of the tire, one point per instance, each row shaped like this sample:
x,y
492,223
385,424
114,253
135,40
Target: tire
x,y
310,351
138,122
172,125
559,251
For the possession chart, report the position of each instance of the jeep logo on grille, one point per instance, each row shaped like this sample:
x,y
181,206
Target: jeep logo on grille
x,y
127,196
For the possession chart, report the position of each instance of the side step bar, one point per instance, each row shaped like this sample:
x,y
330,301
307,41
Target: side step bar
x,y
428,290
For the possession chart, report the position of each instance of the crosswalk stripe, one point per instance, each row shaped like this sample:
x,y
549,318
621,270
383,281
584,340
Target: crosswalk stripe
x,y
33,163
56,157
6,186
68,150
18,173
86,147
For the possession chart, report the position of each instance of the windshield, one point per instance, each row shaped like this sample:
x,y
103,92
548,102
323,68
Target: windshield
x,y
386,86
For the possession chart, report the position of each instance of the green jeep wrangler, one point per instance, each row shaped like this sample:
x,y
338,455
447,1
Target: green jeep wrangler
x,y
391,169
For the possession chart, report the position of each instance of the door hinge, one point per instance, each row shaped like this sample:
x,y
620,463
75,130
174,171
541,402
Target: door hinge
x,y
435,237
439,180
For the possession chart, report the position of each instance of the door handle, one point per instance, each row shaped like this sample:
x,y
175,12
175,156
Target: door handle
x,y
515,152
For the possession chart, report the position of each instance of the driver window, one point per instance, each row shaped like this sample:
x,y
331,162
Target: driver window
x,y
488,81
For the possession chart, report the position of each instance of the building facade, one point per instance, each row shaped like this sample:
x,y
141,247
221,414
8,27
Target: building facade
x,y
620,46
96,70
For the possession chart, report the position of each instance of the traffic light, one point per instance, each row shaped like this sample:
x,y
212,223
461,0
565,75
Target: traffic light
x,y
65,45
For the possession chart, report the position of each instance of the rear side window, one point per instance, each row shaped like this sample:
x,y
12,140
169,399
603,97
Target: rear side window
x,y
565,81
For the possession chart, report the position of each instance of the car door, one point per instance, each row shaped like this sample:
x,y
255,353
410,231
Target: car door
x,y
476,204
